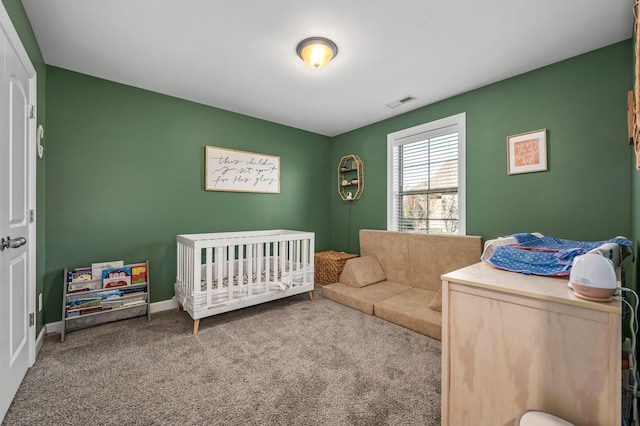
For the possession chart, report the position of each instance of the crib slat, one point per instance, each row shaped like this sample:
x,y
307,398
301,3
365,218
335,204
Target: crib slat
x,y
274,263
260,264
240,266
230,258
208,279
304,260
187,267
250,252
283,258
220,266
196,260
180,263
268,266
290,256
179,266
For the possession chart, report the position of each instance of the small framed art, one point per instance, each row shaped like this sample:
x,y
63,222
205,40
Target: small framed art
x,y
527,152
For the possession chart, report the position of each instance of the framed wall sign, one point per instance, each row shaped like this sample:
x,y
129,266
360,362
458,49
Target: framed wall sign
x,y
527,152
241,171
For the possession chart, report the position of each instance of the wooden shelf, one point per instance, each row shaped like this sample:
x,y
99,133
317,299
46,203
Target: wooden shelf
x,y
350,177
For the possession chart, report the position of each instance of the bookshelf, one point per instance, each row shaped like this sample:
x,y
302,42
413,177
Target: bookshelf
x,y
350,177
90,299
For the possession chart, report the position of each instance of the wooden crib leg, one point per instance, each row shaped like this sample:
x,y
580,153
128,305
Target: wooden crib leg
x,y
311,296
179,307
196,324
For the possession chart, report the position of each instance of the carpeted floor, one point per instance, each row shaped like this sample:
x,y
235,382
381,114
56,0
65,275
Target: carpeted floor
x,y
287,362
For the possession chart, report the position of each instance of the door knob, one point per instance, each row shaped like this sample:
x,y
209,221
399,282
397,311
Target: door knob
x,y
12,243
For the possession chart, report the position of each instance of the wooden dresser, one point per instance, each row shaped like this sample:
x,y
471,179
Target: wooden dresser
x,y
512,342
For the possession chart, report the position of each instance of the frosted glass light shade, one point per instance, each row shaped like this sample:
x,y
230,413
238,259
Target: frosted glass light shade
x,y
317,51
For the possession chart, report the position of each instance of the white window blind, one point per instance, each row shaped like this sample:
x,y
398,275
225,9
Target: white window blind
x,y
426,178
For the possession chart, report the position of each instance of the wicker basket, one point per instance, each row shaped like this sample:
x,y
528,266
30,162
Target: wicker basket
x,y
329,264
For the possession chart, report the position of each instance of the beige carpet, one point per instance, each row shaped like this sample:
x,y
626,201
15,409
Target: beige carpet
x,y
287,362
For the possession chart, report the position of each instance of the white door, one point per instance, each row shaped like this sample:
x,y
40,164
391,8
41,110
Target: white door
x,y
16,227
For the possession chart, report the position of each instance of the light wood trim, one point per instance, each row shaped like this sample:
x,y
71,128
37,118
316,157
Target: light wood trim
x,y
543,304
444,400
615,364
196,324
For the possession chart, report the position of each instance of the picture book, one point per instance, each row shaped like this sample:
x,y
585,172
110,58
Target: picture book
x,y
109,294
116,277
128,291
78,286
96,268
139,274
84,303
78,275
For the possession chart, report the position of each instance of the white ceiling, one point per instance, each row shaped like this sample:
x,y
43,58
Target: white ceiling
x,y
239,55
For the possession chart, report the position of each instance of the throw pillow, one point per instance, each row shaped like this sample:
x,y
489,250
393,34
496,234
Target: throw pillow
x,y
362,271
436,303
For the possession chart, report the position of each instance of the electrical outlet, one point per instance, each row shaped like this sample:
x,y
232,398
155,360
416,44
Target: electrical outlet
x,y
39,302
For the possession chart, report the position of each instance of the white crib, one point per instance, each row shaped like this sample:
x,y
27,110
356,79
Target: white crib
x,y
221,272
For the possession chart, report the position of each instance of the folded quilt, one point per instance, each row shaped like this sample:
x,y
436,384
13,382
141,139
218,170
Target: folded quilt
x,y
552,243
545,255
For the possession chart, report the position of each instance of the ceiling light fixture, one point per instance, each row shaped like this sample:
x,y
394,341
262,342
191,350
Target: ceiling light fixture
x,y
317,51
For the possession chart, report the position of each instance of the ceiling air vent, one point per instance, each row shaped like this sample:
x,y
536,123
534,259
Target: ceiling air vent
x,y
402,101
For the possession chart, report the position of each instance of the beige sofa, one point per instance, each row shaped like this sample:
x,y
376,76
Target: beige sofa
x,y
397,277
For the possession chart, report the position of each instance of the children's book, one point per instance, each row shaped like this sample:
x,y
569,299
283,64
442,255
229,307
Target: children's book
x,y
78,275
139,274
84,286
84,303
109,294
96,268
116,277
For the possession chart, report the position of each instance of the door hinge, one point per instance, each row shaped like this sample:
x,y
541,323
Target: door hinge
x,y
32,111
31,215
32,319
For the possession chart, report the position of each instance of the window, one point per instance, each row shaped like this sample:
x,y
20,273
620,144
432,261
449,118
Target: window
x,y
425,177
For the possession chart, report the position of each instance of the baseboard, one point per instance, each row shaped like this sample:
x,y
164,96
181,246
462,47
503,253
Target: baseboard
x,y
53,327
164,305
40,340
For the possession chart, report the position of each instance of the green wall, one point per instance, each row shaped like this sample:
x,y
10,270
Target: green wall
x,y
125,175
584,194
23,28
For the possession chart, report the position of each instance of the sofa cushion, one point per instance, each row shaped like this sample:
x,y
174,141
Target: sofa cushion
x,y
363,298
436,302
410,309
431,256
392,251
362,271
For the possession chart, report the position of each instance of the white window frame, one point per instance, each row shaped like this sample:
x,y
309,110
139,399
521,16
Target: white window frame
x,y
454,123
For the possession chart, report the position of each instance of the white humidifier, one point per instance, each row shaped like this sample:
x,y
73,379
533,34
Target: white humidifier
x,y
593,278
